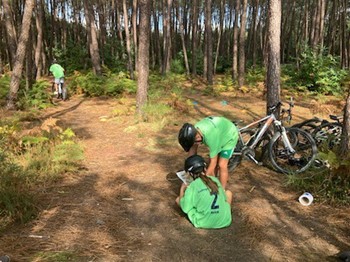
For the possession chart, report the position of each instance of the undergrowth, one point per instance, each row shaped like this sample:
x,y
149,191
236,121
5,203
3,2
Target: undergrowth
x,y
30,159
329,183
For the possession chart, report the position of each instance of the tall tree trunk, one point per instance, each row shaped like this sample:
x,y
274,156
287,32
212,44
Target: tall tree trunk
x,y
29,61
167,37
178,3
134,30
144,40
209,41
194,37
156,35
241,67
118,23
20,55
92,38
39,40
255,29
102,29
274,38
11,31
322,21
221,28
235,42
127,37
343,35
345,142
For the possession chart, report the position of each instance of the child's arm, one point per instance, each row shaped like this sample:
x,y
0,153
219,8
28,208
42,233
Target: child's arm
x,y
182,192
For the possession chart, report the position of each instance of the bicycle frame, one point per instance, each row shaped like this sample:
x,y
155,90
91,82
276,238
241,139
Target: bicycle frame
x,y
269,119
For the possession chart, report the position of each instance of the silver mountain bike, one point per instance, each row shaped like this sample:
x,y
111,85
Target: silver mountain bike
x,y
289,150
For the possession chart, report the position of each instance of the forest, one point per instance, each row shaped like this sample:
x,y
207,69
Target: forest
x,y
152,56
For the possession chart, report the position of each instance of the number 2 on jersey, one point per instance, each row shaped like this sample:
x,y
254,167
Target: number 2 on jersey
x,y
213,204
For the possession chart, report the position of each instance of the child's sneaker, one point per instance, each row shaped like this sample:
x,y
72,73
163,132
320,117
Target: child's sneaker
x,y
55,93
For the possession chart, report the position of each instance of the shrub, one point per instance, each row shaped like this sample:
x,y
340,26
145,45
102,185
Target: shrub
x,y
38,97
255,75
320,73
30,160
331,184
177,66
16,203
109,84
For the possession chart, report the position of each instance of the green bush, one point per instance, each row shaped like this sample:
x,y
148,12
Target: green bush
x,y
38,97
117,84
16,203
177,66
255,75
320,73
30,161
108,84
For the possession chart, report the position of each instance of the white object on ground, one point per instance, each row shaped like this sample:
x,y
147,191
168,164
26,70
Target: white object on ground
x,y
306,199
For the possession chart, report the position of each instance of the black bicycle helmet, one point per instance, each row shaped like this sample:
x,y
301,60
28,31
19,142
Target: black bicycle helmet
x,y
195,164
187,135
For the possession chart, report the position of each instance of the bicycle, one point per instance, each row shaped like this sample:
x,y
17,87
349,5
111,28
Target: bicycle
x,y
62,90
290,150
329,132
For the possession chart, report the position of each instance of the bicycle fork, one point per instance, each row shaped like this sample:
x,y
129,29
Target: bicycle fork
x,y
284,136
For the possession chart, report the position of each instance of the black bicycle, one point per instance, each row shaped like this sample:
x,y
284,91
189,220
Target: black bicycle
x,y
324,131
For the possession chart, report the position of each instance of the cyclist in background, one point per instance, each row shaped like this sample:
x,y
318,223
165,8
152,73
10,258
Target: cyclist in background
x,y
58,73
204,200
219,134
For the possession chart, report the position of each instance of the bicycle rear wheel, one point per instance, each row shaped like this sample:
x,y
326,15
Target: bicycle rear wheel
x,y
328,134
287,162
64,93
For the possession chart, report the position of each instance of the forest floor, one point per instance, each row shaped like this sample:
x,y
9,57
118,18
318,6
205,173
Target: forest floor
x,y
120,206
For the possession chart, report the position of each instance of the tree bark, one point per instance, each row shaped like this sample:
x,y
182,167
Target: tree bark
x,y
11,31
241,67
156,35
221,28
134,30
20,55
92,38
127,38
274,38
167,38
178,3
345,142
39,40
144,41
209,41
194,37
235,43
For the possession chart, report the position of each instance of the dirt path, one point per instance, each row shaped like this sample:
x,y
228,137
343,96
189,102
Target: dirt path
x,y
121,206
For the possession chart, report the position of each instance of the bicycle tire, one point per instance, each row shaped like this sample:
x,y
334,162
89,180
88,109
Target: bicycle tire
x,y
309,125
262,147
328,134
289,163
64,93
235,160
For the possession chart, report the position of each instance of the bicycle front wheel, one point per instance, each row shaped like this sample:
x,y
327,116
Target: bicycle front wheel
x,y
243,139
287,162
